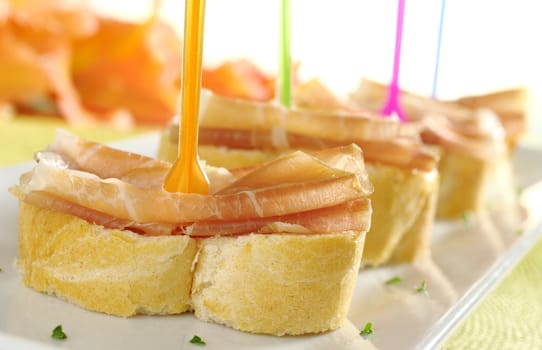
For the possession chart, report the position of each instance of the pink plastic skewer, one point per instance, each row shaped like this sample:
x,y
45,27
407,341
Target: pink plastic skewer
x,y
392,104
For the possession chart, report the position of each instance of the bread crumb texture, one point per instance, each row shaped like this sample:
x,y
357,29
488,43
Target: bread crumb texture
x,y
111,271
272,284
278,284
404,204
462,184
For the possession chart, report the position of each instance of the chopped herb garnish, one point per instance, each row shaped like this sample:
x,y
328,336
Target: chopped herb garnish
x,y
0,269
58,333
394,280
422,288
367,330
197,340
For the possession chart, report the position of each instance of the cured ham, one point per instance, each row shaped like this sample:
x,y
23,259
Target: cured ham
x,y
221,112
477,133
239,124
97,183
339,218
401,167
400,152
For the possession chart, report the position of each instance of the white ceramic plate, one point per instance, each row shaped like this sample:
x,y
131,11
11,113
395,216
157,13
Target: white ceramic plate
x,y
402,318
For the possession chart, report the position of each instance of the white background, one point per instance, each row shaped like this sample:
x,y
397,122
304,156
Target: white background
x,y
486,45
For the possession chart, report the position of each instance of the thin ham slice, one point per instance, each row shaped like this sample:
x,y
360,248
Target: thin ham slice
x,y
297,189
351,215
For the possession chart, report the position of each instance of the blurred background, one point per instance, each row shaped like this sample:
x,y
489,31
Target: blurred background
x,y
486,45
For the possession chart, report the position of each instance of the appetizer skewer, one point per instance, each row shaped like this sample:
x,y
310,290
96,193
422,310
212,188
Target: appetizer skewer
x,y
236,133
96,228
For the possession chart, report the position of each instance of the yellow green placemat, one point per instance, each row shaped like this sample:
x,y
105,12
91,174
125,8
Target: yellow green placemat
x,y
21,137
510,317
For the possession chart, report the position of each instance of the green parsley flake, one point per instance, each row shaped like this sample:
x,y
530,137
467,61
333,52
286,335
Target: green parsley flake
x,y
394,280
0,269
367,330
58,333
422,288
197,340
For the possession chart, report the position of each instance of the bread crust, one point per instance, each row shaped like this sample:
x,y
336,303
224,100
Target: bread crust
x,y
463,185
261,283
278,284
404,204
465,174
106,270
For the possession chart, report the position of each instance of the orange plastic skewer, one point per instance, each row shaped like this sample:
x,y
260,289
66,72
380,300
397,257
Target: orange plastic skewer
x,y
187,175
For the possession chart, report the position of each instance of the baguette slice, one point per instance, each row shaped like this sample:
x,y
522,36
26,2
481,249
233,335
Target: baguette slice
x,y
472,144
404,204
511,107
116,272
260,283
293,274
278,284
403,172
405,197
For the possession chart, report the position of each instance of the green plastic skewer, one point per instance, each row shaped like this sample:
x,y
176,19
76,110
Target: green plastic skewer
x,y
285,64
